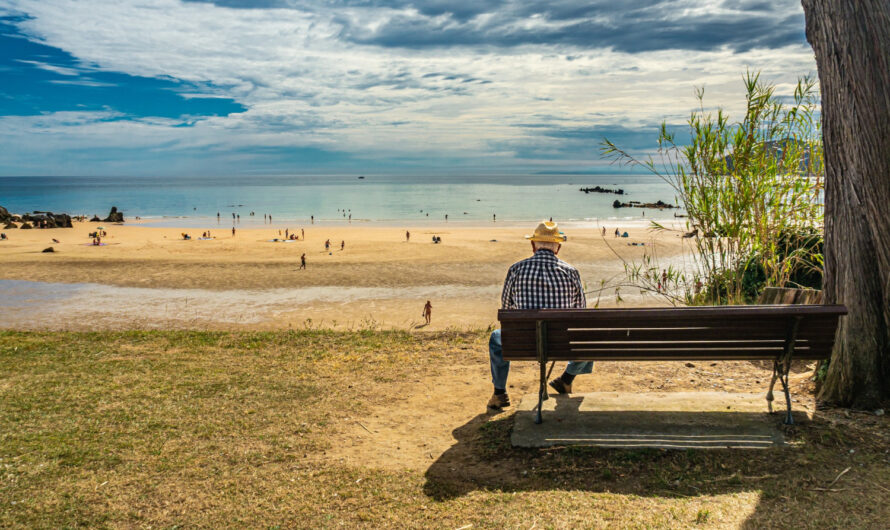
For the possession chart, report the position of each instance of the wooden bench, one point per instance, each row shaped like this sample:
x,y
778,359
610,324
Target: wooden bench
x,y
777,333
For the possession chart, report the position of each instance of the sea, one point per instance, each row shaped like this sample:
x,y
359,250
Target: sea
x,y
384,199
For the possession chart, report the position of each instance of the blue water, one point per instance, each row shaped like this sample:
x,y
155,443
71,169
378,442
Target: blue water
x,y
375,198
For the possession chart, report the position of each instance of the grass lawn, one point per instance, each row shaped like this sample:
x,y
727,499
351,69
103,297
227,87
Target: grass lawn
x,y
211,429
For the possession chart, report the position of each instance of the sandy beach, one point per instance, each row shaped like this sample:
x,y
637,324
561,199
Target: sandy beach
x,y
150,277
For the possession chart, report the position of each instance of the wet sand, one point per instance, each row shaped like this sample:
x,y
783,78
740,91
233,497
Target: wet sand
x,y
151,277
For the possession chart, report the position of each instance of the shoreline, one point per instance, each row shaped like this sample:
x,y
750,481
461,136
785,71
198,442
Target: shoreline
x,y
253,223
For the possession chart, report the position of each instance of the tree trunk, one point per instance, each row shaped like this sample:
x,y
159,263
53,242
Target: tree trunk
x,y
852,44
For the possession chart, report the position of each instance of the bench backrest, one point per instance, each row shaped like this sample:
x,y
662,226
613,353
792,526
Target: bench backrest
x,y
680,333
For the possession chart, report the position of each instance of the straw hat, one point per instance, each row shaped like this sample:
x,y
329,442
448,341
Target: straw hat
x,y
548,232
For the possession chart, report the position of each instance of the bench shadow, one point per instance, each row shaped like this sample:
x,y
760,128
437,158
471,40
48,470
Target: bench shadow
x,y
483,459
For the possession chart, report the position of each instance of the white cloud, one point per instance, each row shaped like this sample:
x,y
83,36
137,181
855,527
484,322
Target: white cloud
x,y
303,85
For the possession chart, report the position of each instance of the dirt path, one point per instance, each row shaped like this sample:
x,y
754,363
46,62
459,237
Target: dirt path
x,y
414,428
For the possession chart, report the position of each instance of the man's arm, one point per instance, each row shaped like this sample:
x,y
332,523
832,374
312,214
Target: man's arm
x,y
580,301
507,293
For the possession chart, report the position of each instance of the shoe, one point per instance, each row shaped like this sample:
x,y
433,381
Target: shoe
x,y
499,401
561,386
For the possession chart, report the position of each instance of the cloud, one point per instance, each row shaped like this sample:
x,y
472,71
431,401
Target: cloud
x,y
395,83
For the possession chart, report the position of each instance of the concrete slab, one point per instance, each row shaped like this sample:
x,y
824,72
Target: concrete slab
x,y
667,420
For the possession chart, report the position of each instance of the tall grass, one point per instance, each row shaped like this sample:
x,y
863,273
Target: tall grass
x,y
752,191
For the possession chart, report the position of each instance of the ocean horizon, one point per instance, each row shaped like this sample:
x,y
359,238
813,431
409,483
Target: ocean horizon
x,y
374,198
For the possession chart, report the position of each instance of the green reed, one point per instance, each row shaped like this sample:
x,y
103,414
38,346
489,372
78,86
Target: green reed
x,y
752,190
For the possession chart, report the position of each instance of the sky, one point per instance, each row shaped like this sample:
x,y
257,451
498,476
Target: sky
x,y
257,87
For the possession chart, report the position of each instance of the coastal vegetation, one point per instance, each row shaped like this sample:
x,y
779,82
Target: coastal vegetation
x,y
167,429
752,190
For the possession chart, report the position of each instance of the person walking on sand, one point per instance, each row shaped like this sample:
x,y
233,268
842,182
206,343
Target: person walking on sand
x,y
303,261
542,281
233,231
617,233
342,245
327,245
407,236
428,312
604,231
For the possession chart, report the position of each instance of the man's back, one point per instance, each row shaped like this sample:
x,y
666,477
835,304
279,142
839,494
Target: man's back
x,y
543,281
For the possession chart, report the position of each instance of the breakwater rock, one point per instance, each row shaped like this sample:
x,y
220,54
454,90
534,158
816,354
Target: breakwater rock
x,y
659,205
598,189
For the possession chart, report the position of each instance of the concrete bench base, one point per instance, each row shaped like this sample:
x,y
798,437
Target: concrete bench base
x,y
665,420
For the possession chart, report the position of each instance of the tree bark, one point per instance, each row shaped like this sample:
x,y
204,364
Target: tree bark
x,y
851,40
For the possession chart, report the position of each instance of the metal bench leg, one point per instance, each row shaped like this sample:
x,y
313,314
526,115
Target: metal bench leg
x,y
542,393
541,347
783,377
772,384
781,368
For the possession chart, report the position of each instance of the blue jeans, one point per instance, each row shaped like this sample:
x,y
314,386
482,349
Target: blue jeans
x,y
500,368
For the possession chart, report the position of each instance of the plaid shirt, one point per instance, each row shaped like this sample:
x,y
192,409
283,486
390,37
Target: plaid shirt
x,y
543,281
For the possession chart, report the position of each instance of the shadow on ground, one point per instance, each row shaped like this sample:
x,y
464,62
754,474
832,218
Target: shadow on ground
x,y
794,482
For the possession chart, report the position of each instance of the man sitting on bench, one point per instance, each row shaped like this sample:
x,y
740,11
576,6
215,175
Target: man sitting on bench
x,y
542,281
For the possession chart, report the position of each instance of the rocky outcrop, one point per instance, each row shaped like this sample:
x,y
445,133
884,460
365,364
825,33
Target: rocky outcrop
x,y
8,226
48,249
48,220
660,205
26,226
5,216
114,216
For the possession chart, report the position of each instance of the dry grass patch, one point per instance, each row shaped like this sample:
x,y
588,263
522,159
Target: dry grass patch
x,y
167,429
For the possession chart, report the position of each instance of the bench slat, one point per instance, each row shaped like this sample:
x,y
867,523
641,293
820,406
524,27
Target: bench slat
x,y
671,314
687,333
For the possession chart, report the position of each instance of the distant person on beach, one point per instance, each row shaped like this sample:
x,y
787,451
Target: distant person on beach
x,y
270,218
542,281
327,245
239,217
342,245
494,217
617,233
428,312
604,231
233,231
312,218
407,235
303,233
2,237
233,215
303,261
